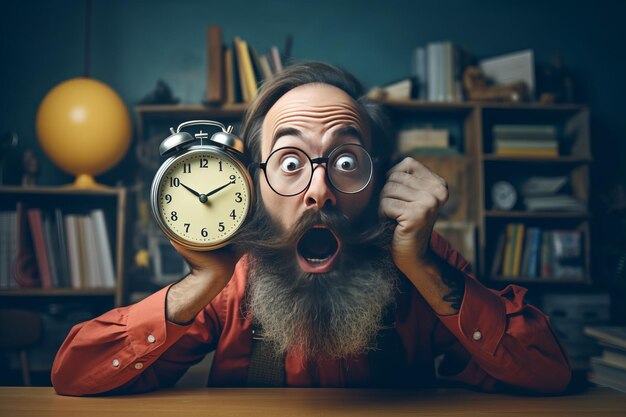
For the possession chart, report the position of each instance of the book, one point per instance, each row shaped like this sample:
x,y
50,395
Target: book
x,y
24,264
236,73
541,186
241,52
517,249
496,266
228,76
525,131
567,254
103,248
398,90
41,252
532,261
409,139
65,280
276,60
546,261
71,235
507,264
510,68
611,335
215,66
246,70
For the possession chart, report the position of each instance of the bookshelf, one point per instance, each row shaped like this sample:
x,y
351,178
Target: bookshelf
x,y
471,169
57,205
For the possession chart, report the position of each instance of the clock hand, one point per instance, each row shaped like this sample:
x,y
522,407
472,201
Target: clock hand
x,y
202,197
219,188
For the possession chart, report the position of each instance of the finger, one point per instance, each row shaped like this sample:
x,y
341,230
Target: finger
x,y
410,166
416,182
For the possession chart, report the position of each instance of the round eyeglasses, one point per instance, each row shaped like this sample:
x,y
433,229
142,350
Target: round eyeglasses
x,y
289,170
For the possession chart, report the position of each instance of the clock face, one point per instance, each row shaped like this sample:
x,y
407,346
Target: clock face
x,y
503,195
201,198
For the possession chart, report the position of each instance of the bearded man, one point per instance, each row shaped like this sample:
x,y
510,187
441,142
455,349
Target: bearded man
x,y
338,279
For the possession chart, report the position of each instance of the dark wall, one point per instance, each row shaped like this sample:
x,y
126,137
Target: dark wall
x,y
134,43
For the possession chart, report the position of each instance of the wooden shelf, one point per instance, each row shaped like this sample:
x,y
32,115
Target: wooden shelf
x,y
538,160
168,111
537,214
64,190
56,292
527,280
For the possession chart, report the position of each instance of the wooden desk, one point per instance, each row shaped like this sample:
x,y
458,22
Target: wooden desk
x,y
221,402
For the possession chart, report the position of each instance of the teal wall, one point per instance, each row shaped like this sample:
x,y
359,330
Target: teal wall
x,y
137,42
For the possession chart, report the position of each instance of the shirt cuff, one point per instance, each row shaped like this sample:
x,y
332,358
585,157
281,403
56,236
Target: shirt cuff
x,y
148,329
480,323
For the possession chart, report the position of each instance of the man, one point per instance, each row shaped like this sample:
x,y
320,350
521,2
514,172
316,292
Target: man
x,y
342,281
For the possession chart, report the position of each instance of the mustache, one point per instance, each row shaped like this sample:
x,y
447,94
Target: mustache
x,y
262,234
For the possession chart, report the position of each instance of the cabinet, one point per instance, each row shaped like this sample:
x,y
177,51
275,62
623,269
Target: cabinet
x,y
102,218
472,166
477,163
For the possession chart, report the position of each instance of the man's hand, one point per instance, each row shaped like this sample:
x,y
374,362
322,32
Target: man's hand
x,y
210,272
412,196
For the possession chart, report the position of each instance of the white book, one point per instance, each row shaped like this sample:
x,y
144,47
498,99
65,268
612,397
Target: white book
x,y
90,259
433,71
103,245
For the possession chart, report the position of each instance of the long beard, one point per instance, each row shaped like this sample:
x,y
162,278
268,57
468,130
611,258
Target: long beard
x,y
329,315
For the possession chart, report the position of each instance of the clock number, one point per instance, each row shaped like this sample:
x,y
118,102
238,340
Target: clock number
x,y
233,215
174,216
187,168
232,178
168,198
204,163
238,198
187,227
220,164
221,227
204,232
174,182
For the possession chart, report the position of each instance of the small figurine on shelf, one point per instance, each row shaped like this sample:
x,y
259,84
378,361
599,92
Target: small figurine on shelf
x,y
555,82
8,143
30,167
162,94
477,88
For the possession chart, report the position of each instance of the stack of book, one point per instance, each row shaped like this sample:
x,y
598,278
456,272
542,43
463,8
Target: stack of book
x,y
569,315
438,68
235,71
424,140
530,252
609,369
52,249
525,140
546,194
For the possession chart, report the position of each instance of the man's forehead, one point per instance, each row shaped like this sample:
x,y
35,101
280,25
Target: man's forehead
x,y
313,105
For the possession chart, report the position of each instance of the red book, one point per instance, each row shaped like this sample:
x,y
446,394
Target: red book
x,y
39,241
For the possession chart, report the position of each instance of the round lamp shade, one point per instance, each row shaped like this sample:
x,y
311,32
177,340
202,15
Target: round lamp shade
x,y
84,127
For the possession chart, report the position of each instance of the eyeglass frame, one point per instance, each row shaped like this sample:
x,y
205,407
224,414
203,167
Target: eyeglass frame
x,y
319,161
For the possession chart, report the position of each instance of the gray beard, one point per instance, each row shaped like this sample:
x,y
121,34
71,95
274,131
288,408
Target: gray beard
x,y
330,315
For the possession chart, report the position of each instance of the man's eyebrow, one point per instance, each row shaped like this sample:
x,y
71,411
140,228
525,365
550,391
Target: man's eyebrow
x,y
285,131
349,130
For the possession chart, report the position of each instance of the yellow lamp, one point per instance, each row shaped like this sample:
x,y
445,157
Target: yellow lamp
x,y
84,127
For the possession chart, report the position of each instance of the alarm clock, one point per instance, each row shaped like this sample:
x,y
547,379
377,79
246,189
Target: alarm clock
x,y
503,196
201,194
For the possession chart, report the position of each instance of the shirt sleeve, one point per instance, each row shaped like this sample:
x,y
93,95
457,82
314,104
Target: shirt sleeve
x,y
499,340
131,349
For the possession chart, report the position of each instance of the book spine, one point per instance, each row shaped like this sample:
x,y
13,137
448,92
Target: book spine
x,y
103,247
71,234
41,253
215,66
519,241
243,79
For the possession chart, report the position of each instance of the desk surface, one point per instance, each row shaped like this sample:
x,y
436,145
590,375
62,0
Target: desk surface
x,y
41,402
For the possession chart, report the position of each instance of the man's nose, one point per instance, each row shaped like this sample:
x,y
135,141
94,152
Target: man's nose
x,y
319,192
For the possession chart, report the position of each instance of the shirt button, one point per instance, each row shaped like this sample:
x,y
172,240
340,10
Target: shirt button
x,y
151,338
116,363
477,335
138,365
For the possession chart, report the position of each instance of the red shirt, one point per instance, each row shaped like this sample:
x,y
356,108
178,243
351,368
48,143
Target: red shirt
x,y
495,340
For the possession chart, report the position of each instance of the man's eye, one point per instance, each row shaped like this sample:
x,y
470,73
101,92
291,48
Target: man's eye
x,y
346,162
290,164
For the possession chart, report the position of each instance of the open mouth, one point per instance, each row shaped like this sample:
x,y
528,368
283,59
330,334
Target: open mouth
x,y
317,250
